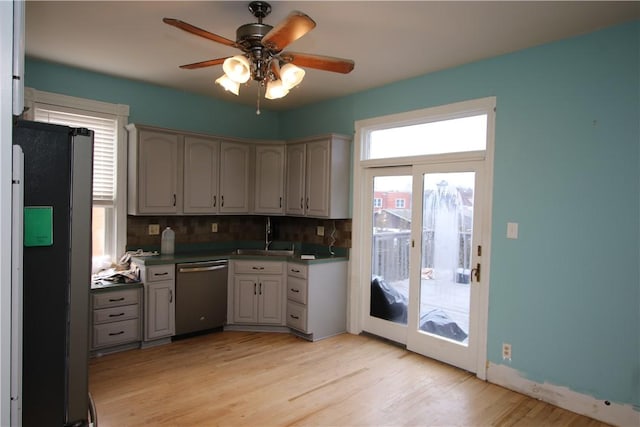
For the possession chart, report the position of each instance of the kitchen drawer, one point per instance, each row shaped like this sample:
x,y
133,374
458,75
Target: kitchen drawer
x,y
297,316
115,298
156,273
297,270
115,314
108,334
258,267
297,289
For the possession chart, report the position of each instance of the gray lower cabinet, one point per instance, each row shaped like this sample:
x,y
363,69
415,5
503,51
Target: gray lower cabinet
x,y
317,299
257,294
159,301
116,317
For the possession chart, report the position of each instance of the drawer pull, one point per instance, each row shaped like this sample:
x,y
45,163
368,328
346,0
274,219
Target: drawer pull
x,y
293,270
116,315
116,299
294,317
295,290
161,274
257,268
116,333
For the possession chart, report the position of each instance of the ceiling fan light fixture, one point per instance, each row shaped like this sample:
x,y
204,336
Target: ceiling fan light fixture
x,y
237,68
291,75
228,84
275,90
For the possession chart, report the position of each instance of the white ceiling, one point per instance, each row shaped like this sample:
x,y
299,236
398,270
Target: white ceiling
x,y
388,40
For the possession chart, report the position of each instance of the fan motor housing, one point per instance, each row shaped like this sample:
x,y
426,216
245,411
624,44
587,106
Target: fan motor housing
x,y
250,34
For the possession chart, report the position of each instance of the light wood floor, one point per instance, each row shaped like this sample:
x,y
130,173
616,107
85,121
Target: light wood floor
x,y
267,379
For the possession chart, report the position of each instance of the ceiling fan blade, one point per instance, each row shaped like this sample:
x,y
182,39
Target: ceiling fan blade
x,y
296,25
203,64
319,62
199,31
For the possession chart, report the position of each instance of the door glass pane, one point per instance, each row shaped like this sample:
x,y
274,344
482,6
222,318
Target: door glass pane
x,y
447,220
391,244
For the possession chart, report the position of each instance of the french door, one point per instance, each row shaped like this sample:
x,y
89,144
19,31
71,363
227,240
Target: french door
x,y
426,258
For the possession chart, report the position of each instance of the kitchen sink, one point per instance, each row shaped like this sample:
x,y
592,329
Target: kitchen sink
x,y
264,252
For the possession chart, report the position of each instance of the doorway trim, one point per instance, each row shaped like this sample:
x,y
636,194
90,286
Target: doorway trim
x,y
359,278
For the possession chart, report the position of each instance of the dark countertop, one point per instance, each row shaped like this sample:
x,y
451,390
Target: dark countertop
x,y
111,286
226,254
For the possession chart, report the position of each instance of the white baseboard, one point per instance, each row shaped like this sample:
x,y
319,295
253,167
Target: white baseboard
x,y
608,412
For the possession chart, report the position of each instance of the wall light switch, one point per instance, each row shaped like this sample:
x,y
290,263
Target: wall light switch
x,y
320,230
214,227
512,230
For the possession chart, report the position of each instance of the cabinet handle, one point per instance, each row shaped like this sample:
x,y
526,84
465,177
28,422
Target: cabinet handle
x,y
254,289
295,290
174,200
293,270
116,315
257,268
280,201
301,202
222,201
294,317
214,201
170,295
307,203
156,274
260,289
116,299
116,333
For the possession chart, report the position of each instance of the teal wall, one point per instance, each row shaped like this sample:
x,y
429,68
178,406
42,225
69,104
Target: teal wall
x,y
566,294
155,105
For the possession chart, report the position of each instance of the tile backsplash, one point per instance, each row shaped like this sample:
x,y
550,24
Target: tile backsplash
x,y
197,229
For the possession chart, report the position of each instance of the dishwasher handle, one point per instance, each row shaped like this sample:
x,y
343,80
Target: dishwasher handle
x,y
196,269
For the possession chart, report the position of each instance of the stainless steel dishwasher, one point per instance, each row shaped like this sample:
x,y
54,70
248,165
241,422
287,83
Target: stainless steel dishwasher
x,y
201,296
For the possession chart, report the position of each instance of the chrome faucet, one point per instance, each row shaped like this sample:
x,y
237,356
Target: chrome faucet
x,y
267,234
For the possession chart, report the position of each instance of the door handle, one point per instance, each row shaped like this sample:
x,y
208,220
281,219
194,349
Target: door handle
x,y
170,295
215,201
476,272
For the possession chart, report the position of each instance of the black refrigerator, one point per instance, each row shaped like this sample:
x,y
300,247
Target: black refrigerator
x,y
52,201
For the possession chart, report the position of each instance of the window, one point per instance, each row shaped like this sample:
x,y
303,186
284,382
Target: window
x,y
377,202
109,168
400,203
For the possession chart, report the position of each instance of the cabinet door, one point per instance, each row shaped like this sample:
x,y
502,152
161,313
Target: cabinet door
x,y
201,160
295,171
269,182
158,173
234,178
317,178
159,309
270,299
245,299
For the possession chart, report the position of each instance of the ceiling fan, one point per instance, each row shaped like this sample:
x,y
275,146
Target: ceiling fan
x,y
263,58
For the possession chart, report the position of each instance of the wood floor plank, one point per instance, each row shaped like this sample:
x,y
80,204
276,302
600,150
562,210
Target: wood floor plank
x,y
269,379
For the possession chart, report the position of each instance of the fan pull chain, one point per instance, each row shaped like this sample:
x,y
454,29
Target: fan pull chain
x,y
258,102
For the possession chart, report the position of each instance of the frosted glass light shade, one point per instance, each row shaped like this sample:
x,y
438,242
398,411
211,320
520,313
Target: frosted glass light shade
x,y
228,84
291,75
237,68
275,90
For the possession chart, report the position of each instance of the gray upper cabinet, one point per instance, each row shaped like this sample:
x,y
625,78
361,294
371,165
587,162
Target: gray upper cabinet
x,y
155,171
269,179
318,177
201,169
235,162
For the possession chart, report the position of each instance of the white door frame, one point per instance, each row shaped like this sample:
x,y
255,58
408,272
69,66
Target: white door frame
x,y
358,276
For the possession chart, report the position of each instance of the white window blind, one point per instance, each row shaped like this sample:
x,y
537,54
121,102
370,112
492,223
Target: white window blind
x,y
104,147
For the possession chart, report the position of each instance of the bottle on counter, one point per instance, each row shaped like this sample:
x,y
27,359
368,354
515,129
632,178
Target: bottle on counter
x,y
167,245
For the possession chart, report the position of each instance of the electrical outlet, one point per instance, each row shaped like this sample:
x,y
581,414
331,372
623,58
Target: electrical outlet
x,y
214,227
506,351
320,230
154,229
